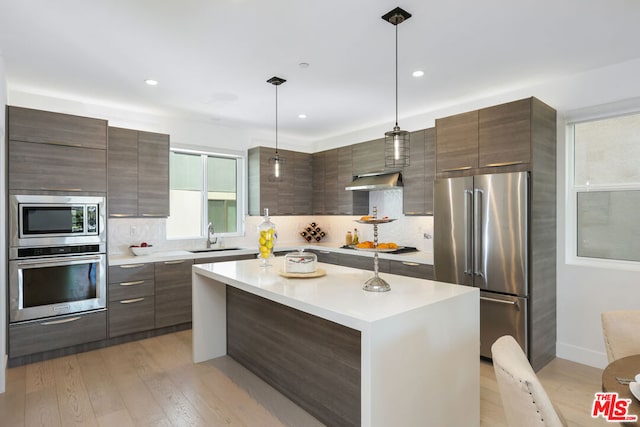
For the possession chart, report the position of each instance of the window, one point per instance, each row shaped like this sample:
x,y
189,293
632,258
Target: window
x,y
204,188
606,187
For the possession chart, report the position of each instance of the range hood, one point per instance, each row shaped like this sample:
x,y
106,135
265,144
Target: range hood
x,y
376,181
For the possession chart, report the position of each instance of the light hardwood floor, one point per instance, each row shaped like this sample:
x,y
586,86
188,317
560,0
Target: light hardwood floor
x,y
154,383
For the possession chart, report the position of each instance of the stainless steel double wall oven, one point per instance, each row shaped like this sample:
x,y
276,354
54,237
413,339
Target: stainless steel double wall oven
x,y
57,255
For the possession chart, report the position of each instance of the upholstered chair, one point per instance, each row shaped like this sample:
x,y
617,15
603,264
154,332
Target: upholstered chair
x,y
621,330
524,400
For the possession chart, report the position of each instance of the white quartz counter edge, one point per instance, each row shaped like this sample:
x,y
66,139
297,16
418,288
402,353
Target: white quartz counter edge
x,y
120,259
337,296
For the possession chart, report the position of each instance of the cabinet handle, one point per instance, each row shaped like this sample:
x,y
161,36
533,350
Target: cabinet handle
x,y
132,266
411,264
462,168
131,301
60,189
495,165
137,282
58,322
500,301
120,215
153,215
179,261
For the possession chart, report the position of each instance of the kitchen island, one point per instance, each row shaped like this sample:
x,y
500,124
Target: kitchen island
x,y
412,353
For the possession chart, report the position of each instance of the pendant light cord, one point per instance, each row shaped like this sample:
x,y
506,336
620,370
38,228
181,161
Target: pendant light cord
x,y
276,119
396,74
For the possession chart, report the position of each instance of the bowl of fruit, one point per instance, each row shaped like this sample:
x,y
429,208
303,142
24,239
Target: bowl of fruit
x,y
142,249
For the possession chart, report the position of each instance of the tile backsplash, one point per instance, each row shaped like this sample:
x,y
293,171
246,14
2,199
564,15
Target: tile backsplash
x,y
406,230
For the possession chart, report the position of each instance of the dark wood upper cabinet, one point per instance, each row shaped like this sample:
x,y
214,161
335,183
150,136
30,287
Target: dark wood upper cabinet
x,y
331,182
318,166
505,134
138,173
122,158
349,202
46,127
457,142
368,157
494,139
56,152
418,177
49,167
285,185
153,174
291,194
302,183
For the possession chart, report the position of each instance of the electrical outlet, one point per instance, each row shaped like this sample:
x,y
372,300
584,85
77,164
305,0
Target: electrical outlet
x,y
133,231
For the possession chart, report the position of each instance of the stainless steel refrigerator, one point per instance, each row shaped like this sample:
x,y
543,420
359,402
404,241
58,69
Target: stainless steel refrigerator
x,y
480,239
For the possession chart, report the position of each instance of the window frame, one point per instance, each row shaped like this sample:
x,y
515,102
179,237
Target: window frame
x,y
623,108
241,193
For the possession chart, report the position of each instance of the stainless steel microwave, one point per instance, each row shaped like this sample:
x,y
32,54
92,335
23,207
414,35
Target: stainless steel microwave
x,y
48,220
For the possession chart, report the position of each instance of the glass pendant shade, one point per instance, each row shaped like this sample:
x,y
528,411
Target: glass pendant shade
x,y
276,166
276,163
397,141
396,148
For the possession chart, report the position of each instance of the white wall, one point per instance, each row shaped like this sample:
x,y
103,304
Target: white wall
x,y
3,227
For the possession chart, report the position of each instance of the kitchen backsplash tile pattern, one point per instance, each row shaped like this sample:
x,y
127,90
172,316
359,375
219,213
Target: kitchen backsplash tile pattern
x,y
406,231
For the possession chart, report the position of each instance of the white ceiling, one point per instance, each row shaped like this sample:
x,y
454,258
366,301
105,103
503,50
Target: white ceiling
x,y
213,57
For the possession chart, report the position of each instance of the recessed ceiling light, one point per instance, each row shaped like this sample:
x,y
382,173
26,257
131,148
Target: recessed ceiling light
x,y
418,73
303,65
302,116
151,82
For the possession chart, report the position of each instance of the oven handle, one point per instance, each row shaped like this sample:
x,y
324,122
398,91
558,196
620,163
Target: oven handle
x,y
67,261
58,322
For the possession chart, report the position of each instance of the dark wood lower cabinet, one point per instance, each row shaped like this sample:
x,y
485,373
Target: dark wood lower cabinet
x,y
363,262
173,292
131,315
411,269
50,334
312,361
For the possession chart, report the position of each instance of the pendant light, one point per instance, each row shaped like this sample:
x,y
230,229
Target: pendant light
x,y
276,162
396,142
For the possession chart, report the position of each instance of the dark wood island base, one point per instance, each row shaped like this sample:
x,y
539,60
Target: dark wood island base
x,y
312,361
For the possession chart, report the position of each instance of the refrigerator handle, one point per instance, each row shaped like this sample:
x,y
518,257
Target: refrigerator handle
x,y
477,234
468,215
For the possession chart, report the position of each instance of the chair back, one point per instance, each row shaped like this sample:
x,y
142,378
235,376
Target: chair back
x,y
524,399
621,330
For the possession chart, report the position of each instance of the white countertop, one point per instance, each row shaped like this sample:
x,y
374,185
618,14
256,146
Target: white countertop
x,y
120,259
337,296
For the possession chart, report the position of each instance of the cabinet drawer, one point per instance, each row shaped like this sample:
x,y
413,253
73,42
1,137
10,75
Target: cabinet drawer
x,y
132,289
130,272
225,258
131,315
326,256
363,262
50,334
30,125
411,269
170,272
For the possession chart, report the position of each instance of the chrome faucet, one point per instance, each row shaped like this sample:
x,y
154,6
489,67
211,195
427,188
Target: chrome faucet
x,y
211,240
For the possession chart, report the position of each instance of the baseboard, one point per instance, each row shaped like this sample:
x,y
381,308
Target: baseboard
x,y
581,355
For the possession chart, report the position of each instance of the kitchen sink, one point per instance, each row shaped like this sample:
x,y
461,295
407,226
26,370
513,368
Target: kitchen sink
x,y
197,251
